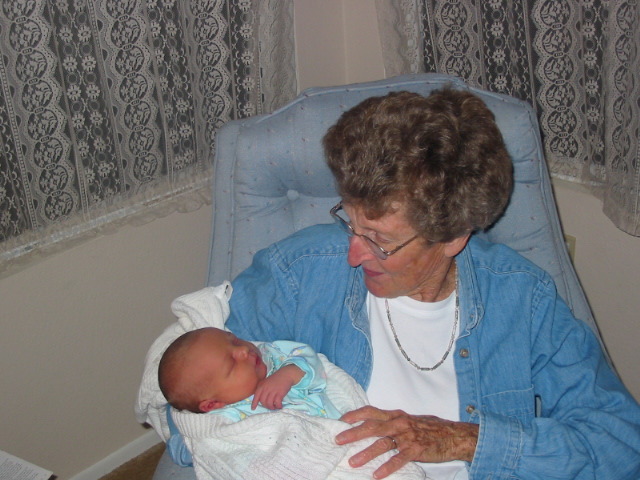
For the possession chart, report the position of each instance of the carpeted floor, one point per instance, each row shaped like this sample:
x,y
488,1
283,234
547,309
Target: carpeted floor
x,y
139,468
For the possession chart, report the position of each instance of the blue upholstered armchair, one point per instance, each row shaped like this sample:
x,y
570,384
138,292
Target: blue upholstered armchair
x,y
271,180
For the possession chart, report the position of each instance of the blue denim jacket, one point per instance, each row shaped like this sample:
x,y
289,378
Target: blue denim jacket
x,y
532,376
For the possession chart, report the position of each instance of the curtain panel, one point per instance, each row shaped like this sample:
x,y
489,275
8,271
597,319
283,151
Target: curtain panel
x,y
577,63
108,108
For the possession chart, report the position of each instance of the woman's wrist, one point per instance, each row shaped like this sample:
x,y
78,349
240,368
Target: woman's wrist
x,y
466,441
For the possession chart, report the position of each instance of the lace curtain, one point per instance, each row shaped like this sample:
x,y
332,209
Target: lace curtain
x,y
108,108
577,63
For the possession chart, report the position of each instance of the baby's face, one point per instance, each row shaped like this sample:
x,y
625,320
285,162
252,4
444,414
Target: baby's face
x,y
231,367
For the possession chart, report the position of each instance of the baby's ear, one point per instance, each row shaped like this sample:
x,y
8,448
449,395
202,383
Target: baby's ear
x,y
210,404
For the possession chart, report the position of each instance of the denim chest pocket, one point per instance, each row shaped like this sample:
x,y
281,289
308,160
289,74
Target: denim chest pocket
x,y
512,403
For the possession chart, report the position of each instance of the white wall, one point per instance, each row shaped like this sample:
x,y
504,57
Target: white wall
x,y
77,325
608,263
337,42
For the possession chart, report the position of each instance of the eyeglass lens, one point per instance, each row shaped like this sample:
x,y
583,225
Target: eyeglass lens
x,y
373,246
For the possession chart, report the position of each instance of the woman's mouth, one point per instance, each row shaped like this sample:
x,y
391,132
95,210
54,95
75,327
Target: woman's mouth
x,y
370,273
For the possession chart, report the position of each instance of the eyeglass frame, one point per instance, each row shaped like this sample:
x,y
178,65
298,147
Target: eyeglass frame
x,y
378,251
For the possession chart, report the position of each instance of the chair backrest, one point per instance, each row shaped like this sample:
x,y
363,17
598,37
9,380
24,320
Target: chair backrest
x,y
271,179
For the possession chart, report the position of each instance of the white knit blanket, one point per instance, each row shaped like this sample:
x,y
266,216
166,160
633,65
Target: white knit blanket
x,y
281,445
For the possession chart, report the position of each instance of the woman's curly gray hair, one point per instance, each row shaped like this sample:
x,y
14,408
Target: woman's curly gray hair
x,y
442,156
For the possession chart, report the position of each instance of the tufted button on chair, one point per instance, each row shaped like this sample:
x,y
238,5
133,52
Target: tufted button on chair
x,y
271,180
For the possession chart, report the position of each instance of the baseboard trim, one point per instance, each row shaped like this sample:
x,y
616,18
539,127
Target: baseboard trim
x,y
119,457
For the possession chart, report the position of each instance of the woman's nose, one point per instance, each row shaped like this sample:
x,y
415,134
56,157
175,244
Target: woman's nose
x,y
359,251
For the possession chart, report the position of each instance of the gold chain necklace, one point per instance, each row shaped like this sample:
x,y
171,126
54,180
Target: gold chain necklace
x,y
404,353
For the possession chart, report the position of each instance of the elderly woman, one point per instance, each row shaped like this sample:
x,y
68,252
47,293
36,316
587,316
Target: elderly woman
x,y
475,365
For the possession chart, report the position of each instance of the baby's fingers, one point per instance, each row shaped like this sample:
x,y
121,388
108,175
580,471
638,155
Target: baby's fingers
x,y
259,396
272,401
277,402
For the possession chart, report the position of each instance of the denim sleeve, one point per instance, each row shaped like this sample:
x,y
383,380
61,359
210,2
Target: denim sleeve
x,y
263,301
176,447
588,425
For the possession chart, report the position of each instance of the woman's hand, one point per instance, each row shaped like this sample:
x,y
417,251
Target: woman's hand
x,y
416,437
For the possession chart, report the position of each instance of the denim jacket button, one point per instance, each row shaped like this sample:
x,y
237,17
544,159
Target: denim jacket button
x,y
470,409
464,353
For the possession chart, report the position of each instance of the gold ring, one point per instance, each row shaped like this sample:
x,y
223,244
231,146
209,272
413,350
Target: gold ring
x,y
395,444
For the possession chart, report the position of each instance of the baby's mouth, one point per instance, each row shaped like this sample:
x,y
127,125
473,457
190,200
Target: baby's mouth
x,y
258,358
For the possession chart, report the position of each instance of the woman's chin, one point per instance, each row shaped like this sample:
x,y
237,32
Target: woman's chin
x,y
376,288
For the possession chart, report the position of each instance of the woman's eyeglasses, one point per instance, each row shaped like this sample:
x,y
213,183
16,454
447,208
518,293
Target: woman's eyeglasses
x,y
376,249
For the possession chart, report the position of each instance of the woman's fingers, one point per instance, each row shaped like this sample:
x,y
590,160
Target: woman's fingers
x,y
377,448
417,438
373,423
392,465
365,413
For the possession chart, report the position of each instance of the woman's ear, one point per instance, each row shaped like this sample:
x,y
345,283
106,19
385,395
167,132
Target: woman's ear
x,y
211,404
455,246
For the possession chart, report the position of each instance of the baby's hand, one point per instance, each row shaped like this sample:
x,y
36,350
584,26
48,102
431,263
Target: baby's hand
x,y
273,389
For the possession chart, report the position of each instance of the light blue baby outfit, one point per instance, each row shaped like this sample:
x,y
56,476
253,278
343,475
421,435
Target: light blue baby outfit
x,y
308,395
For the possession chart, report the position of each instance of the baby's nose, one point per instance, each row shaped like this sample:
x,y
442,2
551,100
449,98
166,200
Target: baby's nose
x,y
241,351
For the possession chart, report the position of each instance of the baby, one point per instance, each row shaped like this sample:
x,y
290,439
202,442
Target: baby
x,y
211,370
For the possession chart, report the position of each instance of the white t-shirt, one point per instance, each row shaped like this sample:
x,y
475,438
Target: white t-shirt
x,y
424,331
